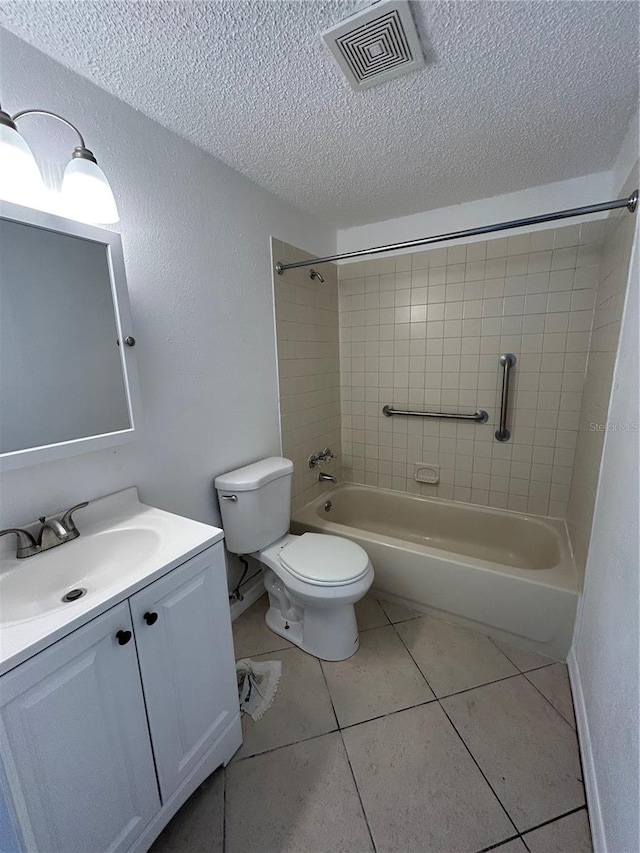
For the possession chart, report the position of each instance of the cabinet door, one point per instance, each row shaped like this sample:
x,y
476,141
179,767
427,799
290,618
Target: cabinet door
x,y
75,743
183,634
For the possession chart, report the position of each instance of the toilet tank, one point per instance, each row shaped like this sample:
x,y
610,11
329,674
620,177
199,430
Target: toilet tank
x,y
255,504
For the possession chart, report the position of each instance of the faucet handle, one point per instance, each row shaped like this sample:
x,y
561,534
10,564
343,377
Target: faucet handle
x,y
67,519
27,545
327,453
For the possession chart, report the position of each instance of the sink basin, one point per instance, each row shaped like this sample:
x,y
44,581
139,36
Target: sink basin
x,y
36,586
123,546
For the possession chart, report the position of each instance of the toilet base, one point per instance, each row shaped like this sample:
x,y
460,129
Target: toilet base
x,y
328,633
341,643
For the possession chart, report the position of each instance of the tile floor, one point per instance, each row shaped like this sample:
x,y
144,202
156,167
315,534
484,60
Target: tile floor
x,y
431,739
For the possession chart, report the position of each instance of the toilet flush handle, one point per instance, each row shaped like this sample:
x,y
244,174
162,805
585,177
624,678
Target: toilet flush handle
x,y
229,497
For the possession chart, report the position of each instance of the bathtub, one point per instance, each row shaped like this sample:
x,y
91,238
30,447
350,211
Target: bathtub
x,y
507,574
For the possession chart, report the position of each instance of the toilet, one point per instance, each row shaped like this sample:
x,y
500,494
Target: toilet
x,y
313,580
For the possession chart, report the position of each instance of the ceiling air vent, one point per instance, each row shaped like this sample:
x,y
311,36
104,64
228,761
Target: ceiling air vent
x,y
376,44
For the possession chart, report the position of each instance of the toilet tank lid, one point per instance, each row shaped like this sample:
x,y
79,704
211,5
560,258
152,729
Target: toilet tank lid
x,y
255,475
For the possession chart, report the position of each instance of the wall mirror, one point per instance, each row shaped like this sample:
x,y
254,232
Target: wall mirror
x,y
67,378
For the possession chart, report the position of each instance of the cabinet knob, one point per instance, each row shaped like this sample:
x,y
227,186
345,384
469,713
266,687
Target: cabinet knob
x,y
123,637
150,618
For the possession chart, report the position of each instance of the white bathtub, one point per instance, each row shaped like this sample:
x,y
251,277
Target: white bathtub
x,y
508,574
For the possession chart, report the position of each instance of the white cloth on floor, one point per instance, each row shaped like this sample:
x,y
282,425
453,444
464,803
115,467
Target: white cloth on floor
x,y
257,685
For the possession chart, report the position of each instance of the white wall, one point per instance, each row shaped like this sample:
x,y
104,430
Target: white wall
x,y
604,658
588,189
628,154
196,241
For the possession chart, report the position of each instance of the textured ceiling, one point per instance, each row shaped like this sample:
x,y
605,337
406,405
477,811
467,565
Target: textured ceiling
x,y
514,94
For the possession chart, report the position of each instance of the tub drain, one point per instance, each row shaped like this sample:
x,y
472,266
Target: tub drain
x,y
74,595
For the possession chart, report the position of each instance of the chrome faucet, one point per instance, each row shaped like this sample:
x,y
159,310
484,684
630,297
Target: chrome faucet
x,y
326,478
52,532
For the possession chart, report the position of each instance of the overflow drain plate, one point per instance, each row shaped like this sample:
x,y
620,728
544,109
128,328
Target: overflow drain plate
x,y
74,594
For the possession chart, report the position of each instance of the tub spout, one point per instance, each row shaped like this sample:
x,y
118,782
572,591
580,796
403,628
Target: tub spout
x,y
326,478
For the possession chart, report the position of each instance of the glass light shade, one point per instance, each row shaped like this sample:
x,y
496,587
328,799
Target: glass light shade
x,y
86,194
20,178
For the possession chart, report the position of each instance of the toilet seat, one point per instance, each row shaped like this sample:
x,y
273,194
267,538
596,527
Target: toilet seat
x,y
323,560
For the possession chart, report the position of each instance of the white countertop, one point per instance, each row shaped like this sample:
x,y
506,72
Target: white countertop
x,y
150,542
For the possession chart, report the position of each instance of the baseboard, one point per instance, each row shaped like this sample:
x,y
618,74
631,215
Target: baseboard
x,y
251,594
586,752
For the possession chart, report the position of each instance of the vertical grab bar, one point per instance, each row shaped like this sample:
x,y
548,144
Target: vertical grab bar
x,y
507,361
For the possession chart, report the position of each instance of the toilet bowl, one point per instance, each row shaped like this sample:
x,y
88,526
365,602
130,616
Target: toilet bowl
x,y
313,580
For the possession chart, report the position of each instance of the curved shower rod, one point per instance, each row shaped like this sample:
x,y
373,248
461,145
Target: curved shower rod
x,y
630,203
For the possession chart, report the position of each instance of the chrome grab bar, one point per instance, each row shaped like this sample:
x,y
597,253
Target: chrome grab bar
x,y
507,361
480,416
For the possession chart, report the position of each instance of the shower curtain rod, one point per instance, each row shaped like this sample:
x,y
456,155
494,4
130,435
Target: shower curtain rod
x,y
630,203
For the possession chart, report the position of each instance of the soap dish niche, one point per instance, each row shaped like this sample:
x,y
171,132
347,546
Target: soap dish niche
x,y
425,472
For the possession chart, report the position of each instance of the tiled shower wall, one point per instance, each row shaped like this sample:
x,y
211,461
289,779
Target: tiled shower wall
x,y
610,295
309,370
426,331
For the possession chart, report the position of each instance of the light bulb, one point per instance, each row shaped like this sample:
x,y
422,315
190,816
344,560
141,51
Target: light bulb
x,y
20,178
86,194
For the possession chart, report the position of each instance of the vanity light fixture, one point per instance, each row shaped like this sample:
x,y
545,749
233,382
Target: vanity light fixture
x,y
85,194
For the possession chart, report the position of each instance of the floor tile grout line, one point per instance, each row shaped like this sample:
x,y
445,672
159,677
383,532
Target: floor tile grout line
x,y
399,635
456,692
482,773
387,714
535,686
460,736
484,683
478,686
544,823
542,665
269,652
576,733
285,745
499,844
355,783
326,684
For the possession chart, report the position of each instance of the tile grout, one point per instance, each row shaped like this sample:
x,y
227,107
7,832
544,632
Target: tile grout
x,y
499,844
554,819
341,728
284,746
346,751
473,758
535,686
387,714
357,787
460,736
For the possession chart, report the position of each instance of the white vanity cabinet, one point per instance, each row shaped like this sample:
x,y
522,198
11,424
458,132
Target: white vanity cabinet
x,y
185,656
146,688
75,744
